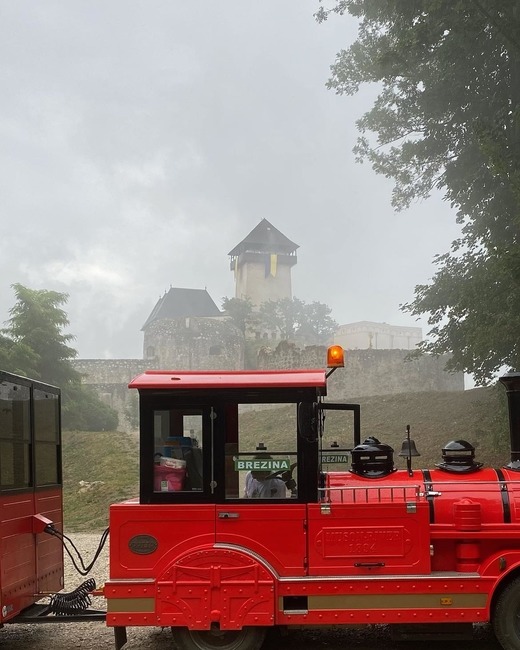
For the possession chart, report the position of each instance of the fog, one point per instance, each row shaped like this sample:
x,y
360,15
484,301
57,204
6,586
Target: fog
x,y
141,141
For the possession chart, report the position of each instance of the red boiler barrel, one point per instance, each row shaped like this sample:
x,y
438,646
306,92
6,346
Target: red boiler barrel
x,y
468,500
485,496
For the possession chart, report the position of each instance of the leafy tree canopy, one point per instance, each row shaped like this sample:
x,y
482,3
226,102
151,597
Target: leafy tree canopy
x,y
34,345
240,311
291,317
33,341
447,117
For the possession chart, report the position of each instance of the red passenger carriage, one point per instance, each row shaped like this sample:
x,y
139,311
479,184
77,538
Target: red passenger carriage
x,y
31,562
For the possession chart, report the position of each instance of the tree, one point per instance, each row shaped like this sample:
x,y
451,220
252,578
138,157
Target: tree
x,y
284,315
240,311
448,117
294,318
33,344
320,325
290,317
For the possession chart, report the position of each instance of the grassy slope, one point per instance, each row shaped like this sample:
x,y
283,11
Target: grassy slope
x,y
435,419
108,456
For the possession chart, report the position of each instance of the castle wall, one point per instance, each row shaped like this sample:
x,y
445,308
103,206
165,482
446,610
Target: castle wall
x,y
110,371
110,379
368,372
195,343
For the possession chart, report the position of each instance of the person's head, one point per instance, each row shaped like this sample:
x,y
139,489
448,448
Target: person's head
x,y
261,475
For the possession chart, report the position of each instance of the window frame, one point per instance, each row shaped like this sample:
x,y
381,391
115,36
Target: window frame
x,y
221,403
29,437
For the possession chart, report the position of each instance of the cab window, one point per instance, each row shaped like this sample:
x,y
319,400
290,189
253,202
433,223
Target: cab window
x,y
178,459
260,452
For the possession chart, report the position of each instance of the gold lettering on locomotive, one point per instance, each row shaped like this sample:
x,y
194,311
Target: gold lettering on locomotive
x,y
366,541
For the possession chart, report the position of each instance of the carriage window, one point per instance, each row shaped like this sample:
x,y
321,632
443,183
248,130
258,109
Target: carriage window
x,y
178,463
15,433
46,438
261,452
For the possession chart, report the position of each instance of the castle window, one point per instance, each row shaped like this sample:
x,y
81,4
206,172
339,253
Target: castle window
x,y
150,352
215,349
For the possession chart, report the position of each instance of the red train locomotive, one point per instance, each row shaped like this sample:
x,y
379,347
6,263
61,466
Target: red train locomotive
x,y
239,528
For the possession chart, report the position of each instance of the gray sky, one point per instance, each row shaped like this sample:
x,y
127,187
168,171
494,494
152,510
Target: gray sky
x,y
142,140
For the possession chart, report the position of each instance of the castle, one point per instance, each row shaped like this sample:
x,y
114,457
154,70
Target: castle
x,y
187,331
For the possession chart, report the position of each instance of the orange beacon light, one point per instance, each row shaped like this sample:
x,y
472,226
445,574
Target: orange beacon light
x,y
335,357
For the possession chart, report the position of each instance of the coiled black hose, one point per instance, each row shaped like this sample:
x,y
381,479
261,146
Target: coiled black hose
x,y
75,602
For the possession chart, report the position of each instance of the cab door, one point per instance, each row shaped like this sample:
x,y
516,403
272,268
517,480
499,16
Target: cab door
x,y
273,532
261,514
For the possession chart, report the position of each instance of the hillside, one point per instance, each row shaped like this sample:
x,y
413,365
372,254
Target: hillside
x,y
111,458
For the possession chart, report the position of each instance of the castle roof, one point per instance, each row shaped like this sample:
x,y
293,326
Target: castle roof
x,y
264,238
183,303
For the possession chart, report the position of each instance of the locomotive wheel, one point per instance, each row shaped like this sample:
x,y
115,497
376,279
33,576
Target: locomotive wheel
x,y
506,617
248,638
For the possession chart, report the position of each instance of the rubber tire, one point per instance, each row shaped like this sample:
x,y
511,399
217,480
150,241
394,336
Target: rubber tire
x,y
506,617
248,638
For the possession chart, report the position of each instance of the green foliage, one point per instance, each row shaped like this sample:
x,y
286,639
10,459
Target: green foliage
x,y
33,344
83,410
310,323
290,317
240,311
132,410
448,117
319,323
284,316
493,423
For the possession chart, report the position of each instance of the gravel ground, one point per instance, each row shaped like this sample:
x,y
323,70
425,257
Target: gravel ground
x,y
96,636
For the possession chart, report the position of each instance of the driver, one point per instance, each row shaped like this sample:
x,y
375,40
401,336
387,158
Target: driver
x,y
262,485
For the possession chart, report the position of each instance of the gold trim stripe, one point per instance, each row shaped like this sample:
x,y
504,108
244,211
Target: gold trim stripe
x,y
117,605
396,601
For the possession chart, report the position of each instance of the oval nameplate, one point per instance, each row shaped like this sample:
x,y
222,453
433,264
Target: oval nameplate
x,y
143,544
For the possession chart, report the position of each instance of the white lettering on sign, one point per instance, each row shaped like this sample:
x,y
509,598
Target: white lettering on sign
x,y
257,465
334,458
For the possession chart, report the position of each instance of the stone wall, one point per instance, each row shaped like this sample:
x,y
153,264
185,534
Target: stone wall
x,y
110,379
368,372
110,371
194,343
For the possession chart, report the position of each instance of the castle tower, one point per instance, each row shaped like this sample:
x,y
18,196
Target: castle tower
x,y
262,265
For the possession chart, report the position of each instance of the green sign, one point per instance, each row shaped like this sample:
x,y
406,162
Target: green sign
x,y
261,465
334,458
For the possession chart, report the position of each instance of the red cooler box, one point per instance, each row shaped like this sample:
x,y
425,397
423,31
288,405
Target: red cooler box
x,y
168,479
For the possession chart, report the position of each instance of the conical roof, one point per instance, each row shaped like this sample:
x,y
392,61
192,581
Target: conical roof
x,y
183,303
264,238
